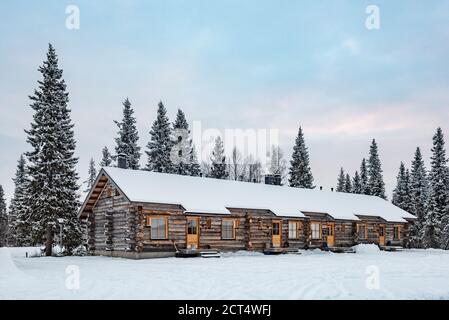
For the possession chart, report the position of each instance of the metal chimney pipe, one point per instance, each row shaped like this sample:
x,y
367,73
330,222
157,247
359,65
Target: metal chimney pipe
x,y
121,161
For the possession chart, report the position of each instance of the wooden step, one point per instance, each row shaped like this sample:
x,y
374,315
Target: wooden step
x,y
210,254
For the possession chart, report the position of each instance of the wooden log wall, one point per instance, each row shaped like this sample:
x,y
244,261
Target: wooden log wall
x,y
110,221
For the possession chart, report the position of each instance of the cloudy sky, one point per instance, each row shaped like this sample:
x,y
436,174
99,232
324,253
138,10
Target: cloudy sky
x,y
237,64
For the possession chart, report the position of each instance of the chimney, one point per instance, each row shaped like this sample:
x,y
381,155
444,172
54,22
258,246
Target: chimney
x,y
121,161
273,179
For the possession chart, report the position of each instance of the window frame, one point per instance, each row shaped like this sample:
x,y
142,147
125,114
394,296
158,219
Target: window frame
x,y
398,228
296,229
359,225
150,224
233,229
319,231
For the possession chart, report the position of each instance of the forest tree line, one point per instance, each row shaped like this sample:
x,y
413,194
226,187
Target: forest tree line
x,y
46,195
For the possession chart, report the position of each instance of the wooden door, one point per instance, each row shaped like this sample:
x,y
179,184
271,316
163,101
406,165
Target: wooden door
x,y
382,230
330,238
276,233
193,233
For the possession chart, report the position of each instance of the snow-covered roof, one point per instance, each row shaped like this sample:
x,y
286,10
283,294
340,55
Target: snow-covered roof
x,y
207,195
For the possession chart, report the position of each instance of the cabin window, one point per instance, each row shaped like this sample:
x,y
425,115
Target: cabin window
x,y
158,228
396,233
361,230
228,229
192,226
315,228
292,230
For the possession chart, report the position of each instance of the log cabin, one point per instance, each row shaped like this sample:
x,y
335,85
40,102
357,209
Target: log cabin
x,y
141,214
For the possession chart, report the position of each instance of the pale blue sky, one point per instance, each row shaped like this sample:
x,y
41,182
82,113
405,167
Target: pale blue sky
x,y
237,64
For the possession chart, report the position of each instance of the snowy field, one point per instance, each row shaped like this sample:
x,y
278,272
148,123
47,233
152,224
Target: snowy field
x,y
367,274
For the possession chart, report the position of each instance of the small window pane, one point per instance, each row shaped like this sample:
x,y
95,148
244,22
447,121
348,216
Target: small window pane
x,y
276,228
292,230
396,233
158,228
192,227
362,232
227,229
315,231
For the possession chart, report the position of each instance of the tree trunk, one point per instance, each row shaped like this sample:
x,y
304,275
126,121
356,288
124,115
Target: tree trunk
x,y
48,241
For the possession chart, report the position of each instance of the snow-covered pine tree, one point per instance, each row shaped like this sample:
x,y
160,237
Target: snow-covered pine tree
x,y
357,184
341,181
278,164
300,172
19,226
348,184
3,219
92,175
364,177
419,188
375,178
195,167
106,160
401,193
160,144
218,168
126,142
181,152
53,188
438,194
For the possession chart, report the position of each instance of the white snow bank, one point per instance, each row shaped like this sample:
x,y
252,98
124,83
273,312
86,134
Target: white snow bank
x,y
7,266
409,274
367,248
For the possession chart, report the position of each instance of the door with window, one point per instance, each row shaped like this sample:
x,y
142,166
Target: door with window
x,y
276,234
382,234
193,232
330,237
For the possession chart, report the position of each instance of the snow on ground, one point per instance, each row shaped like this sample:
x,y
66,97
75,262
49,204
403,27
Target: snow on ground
x,y
410,274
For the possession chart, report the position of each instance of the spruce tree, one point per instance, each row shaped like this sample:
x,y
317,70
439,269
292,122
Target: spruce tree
x,y
364,177
300,172
376,183
3,219
357,184
341,181
181,152
19,224
218,167
53,180
126,142
195,167
106,160
401,193
419,188
438,200
92,175
160,144
348,184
